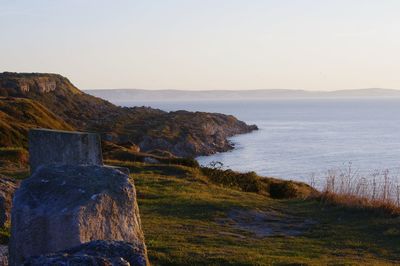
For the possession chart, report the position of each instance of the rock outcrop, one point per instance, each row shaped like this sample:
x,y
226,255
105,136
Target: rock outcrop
x,y
65,203
99,253
7,189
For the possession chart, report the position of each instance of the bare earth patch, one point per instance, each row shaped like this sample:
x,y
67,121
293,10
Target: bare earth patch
x,y
267,223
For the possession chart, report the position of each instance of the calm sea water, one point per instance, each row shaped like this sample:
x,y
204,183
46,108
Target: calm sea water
x,y
299,138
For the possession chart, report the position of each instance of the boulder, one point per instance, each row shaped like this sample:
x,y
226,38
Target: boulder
x,y
7,189
62,206
96,253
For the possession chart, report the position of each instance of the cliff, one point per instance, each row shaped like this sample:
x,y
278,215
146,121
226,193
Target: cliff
x,y
63,106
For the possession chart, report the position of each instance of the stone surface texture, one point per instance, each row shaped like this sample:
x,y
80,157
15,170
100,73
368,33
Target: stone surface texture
x,y
63,147
99,253
62,206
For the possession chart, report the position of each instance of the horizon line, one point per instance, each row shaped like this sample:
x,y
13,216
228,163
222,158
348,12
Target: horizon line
x,y
247,90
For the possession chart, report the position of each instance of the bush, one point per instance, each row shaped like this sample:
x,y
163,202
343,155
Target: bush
x,y
282,190
248,182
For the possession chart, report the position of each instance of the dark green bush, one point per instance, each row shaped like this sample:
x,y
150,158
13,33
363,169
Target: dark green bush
x,y
248,182
282,190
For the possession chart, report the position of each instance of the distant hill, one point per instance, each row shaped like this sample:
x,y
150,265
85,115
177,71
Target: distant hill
x,y
123,95
30,100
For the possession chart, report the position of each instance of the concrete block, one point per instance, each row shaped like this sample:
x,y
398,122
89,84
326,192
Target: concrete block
x,y
63,147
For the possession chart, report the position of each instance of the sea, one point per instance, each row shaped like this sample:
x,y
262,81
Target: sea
x,y
303,139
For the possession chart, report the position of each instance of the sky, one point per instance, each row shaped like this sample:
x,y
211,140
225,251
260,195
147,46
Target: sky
x,y
205,44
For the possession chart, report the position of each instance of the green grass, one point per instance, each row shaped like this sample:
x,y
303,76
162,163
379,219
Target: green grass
x,y
181,209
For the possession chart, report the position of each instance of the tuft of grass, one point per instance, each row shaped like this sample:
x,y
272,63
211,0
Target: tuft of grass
x,y
378,193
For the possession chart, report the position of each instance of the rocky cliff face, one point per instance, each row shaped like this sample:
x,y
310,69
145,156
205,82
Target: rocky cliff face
x,y
14,84
181,133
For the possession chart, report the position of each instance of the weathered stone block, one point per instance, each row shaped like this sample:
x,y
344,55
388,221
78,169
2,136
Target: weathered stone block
x,y
63,147
63,206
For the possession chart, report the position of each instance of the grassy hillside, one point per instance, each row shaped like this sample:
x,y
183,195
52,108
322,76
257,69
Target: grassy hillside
x,y
18,115
189,219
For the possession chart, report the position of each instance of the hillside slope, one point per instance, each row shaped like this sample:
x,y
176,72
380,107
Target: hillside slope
x,y
182,133
18,115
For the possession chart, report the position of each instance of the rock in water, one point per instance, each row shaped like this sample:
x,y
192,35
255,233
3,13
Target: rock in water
x,y
99,253
62,206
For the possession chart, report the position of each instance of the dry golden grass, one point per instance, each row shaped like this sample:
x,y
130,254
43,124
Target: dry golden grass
x,y
379,191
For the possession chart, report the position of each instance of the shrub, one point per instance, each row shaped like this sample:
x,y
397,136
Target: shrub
x,y
248,182
282,190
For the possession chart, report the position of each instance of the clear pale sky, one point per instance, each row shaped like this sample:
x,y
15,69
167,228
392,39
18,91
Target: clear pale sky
x,y
205,44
